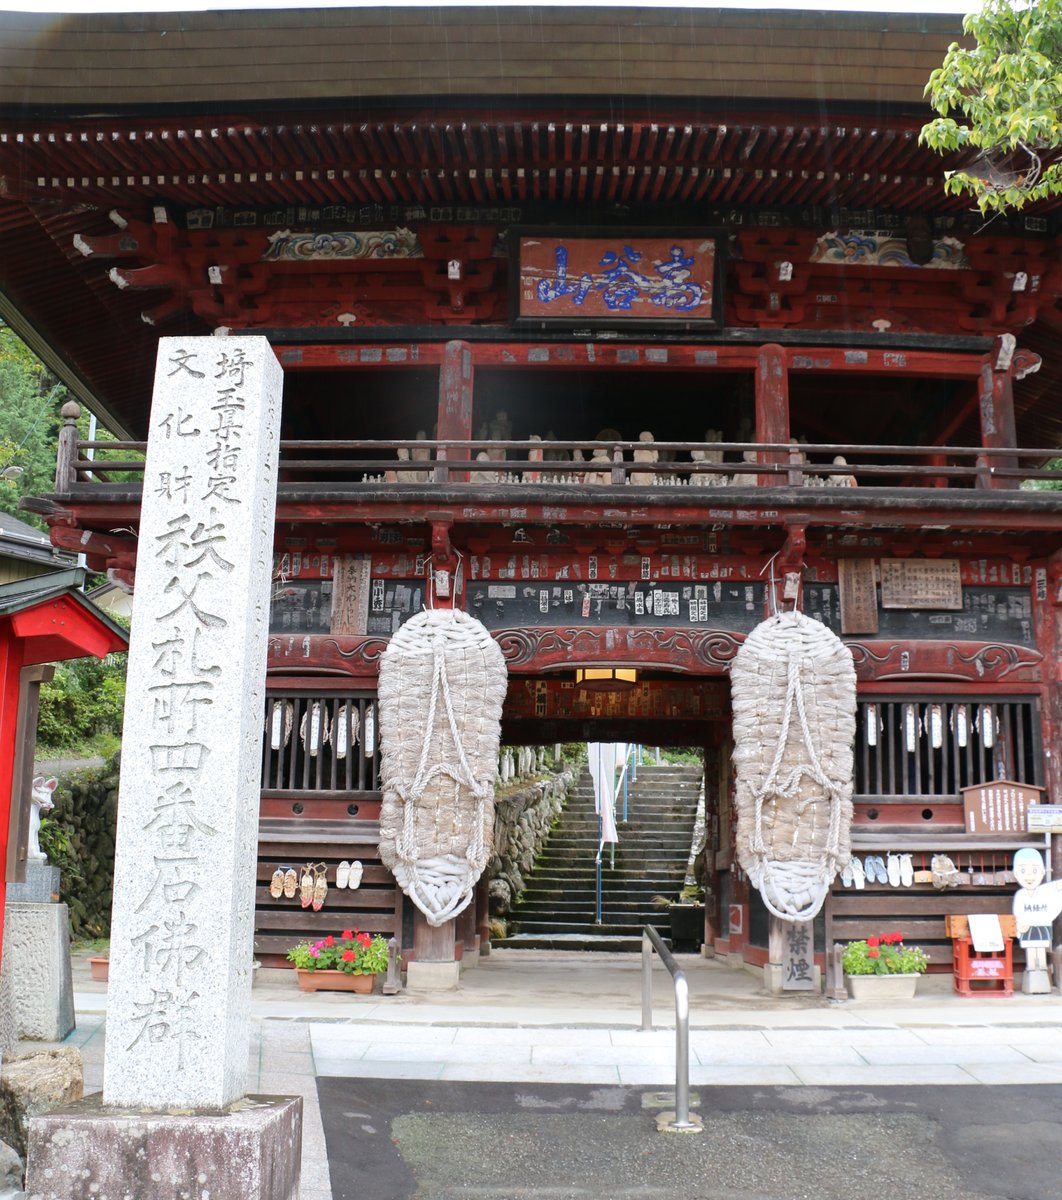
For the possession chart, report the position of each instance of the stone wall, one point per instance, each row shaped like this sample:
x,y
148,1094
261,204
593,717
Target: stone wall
x,y
522,821
86,804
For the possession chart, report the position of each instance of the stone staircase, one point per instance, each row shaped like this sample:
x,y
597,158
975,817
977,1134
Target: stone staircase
x,y
558,906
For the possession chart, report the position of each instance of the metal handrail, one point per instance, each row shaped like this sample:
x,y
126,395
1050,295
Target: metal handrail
x,y
651,940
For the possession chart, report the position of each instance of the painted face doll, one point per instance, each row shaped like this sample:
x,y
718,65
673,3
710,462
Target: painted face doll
x,y
1036,904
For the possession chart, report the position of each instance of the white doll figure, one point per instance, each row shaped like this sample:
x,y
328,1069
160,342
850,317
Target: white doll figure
x,y
644,454
1036,904
745,478
40,801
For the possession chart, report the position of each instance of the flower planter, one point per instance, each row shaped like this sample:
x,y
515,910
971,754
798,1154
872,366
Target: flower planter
x,y
687,926
333,981
882,988
99,968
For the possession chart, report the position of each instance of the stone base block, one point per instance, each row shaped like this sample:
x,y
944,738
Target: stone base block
x,y
774,980
41,886
8,1030
37,957
432,976
251,1151
1035,982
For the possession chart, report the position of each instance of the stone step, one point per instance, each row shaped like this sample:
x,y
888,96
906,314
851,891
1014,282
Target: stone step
x,y
614,943
606,929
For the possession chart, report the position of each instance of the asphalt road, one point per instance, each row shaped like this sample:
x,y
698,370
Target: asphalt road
x,y
417,1140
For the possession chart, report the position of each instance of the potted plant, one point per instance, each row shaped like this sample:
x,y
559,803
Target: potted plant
x,y
348,962
687,918
883,968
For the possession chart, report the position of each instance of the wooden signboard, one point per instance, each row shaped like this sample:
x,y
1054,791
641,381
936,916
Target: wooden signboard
x,y
617,278
999,807
859,595
921,583
350,595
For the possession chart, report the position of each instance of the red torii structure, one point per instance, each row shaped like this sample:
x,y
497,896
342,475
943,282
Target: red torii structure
x,y
42,620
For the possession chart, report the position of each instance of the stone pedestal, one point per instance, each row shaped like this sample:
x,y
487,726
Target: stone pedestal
x,y
41,885
36,963
85,1151
1035,982
432,976
8,1030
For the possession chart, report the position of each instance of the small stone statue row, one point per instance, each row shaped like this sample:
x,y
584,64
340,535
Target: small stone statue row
x,y
520,761
645,455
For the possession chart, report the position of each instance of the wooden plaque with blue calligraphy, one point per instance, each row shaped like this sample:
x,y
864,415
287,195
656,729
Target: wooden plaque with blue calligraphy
x,y
618,278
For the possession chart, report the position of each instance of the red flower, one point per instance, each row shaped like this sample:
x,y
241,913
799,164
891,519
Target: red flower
x,y
873,941
897,937
870,953
363,939
349,956
348,933
330,940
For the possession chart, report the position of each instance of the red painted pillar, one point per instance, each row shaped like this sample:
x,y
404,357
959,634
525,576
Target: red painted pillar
x,y
455,406
998,427
772,406
10,666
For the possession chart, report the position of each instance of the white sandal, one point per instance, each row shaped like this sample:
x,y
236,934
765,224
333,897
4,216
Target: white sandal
x,y
858,874
354,879
342,874
906,870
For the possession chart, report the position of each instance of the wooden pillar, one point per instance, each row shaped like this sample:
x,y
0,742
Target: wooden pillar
x,y
433,943
468,932
483,914
998,428
772,406
10,664
713,797
66,453
455,407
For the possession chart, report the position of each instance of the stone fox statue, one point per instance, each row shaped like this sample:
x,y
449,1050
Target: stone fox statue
x,y
40,801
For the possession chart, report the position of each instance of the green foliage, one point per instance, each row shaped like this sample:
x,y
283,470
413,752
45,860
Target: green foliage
x,y
573,753
1045,485
1003,96
84,702
883,955
351,952
30,400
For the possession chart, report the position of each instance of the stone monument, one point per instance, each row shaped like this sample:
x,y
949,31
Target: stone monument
x,y
182,935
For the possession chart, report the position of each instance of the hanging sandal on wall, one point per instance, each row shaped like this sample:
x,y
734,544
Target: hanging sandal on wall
x,y
306,886
320,886
892,872
859,875
355,874
906,870
276,884
342,874
291,883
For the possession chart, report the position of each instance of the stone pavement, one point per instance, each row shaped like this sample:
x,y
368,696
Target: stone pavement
x,y
538,1018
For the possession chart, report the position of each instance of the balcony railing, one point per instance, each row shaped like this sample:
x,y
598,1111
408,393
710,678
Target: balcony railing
x,y
422,463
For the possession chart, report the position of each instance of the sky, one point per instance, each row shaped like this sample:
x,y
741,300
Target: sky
x,y
895,6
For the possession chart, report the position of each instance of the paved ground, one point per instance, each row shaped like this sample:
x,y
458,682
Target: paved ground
x,y
542,1054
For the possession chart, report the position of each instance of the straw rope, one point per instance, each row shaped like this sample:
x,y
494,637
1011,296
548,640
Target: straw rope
x,y
442,685
794,700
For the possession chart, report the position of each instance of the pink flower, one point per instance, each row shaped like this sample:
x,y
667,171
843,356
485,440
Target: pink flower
x,y
315,952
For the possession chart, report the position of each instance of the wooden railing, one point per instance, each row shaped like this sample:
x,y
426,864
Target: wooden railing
x,y
420,463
